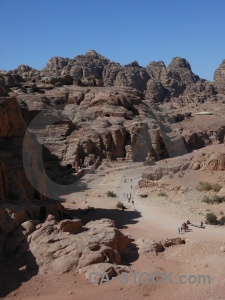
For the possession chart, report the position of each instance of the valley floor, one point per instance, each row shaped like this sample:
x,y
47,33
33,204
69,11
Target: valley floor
x,y
154,217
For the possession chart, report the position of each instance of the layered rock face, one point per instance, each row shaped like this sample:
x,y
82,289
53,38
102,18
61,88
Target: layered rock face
x,y
19,200
14,183
198,160
95,69
97,244
83,110
219,78
157,81
101,109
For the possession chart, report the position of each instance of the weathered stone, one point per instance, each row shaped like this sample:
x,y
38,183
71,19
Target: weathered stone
x,y
71,226
148,245
28,226
100,242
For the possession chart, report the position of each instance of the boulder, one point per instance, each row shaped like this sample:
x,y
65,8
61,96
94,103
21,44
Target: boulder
x,y
221,193
147,245
173,241
97,273
28,226
56,251
71,226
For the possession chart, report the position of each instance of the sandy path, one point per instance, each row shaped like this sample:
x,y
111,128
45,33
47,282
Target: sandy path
x,y
155,221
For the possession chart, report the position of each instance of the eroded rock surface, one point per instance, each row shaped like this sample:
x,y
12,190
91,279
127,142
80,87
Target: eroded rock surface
x,y
101,109
59,251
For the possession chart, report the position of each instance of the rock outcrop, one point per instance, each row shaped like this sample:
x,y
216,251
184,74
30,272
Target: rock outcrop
x,y
97,244
212,161
219,78
14,183
93,108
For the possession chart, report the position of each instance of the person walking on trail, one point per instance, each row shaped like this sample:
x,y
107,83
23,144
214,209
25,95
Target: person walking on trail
x,y
129,200
130,195
178,229
127,195
131,186
123,194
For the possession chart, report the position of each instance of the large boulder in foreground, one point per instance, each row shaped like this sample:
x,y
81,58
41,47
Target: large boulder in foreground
x,y
57,251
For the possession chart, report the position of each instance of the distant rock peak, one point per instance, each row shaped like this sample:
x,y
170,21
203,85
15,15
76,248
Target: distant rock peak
x,y
178,62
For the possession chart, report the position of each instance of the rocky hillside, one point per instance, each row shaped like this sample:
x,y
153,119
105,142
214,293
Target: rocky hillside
x,y
101,109
13,180
85,110
158,82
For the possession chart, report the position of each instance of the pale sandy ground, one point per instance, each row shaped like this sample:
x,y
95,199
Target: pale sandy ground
x,y
153,217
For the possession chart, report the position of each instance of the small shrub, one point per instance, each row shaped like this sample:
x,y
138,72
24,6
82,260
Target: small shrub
x,y
218,199
221,213
204,186
211,218
207,200
149,163
162,194
214,199
216,187
203,154
120,205
50,255
222,220
111,194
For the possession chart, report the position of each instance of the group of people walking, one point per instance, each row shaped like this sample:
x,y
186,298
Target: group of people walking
x,y
184,227
128,195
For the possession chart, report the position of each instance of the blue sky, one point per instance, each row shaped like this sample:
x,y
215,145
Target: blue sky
x,y
33,31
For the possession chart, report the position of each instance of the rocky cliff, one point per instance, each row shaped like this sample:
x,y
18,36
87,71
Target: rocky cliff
x,y
160,83
14,184
101,109
87,109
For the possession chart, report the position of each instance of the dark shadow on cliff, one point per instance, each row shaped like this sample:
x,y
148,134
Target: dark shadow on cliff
x,y
16,268
122,218
131,254
64,175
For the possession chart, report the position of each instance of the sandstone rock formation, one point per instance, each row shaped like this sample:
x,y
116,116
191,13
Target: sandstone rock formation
x,y
219,78
14,184
18,220
84,110
147,245
93,108
191,161
58,252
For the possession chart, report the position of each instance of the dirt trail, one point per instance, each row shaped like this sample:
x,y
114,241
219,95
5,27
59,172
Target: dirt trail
x,y
200,255
155,221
